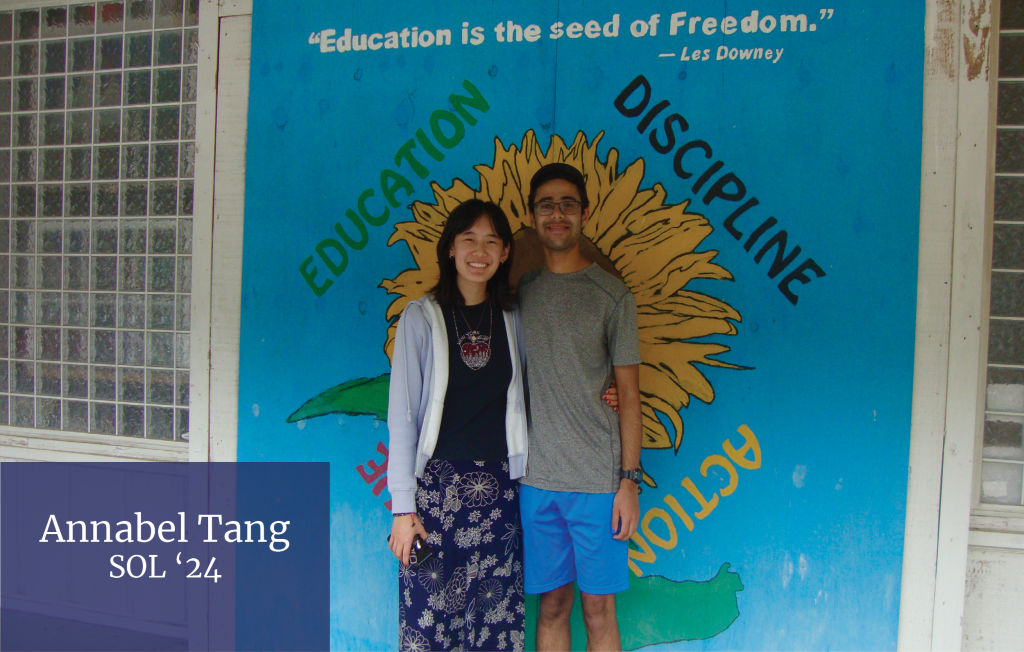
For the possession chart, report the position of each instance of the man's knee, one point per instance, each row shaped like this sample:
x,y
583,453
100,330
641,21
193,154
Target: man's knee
x,y
598,611
557,603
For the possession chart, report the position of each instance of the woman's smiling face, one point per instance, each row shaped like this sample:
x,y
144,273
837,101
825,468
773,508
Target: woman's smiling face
x,y
478,251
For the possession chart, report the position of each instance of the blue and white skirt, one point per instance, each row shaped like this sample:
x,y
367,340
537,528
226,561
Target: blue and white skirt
x,y
469,595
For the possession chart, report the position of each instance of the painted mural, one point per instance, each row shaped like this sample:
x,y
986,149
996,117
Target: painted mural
x,y
753,170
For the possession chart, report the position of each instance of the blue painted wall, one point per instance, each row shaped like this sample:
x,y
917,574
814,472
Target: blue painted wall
x,y
826,136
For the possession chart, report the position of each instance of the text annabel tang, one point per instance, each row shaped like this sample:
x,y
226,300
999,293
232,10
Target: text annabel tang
x,y
143,531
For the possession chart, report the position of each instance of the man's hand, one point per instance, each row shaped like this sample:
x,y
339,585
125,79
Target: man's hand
x,y
625,510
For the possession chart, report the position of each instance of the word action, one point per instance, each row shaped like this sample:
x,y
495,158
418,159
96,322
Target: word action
x,y
736,457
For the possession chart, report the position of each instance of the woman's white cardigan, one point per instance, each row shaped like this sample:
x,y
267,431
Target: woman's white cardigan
x,y
419,381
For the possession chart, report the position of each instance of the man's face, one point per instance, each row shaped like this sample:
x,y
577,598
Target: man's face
x,y
558,231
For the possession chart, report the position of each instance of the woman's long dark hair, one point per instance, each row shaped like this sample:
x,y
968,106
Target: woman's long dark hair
x,y
459,221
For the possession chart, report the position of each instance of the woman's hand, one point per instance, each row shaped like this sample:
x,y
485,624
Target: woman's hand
x,y
611,396
403,529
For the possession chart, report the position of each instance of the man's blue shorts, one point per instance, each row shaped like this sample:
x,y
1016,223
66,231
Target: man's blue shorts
x,y
568,536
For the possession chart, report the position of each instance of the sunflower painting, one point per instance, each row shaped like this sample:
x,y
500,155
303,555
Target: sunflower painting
x,y
632,233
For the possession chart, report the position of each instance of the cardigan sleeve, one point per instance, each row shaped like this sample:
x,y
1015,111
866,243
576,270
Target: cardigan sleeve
x,y
404,395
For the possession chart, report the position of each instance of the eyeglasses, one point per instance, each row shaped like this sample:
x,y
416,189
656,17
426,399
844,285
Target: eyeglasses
x,y
567,207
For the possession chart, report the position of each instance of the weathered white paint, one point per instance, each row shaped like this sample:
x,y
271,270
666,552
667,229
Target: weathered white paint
x,y
235,8
938,165
968,304
988,517
990,539
995,594
36,444
229,207
202,228
985,520
994,597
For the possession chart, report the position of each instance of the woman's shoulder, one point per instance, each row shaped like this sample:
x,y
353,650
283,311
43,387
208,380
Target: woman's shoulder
x,y
420,310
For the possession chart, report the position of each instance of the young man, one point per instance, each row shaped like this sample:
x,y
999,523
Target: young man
x,y
579,502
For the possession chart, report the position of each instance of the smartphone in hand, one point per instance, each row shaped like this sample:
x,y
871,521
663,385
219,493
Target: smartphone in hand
x,y
421,551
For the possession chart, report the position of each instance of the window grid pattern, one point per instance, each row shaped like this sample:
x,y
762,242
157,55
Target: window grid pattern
x,y
1002,466
97,160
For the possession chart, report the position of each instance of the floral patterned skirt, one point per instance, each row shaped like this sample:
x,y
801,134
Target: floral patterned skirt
x,y
469,595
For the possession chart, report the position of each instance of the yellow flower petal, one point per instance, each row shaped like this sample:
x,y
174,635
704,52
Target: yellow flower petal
x,y
685,329
652,244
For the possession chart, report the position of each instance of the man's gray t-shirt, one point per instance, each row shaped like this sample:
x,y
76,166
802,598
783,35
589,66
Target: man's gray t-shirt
x,y
576,327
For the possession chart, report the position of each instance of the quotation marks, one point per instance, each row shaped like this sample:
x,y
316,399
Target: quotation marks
x,y
826,14
314,37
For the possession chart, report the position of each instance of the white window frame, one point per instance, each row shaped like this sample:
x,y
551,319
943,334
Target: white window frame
x,y
40,444
960,121
991,525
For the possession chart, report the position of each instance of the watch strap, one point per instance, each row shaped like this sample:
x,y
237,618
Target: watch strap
x,y
636,475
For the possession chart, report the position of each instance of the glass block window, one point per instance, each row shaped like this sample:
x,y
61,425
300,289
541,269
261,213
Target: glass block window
x,y
97,159
1003,449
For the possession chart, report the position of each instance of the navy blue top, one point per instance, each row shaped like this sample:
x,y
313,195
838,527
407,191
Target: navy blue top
x,y
473,421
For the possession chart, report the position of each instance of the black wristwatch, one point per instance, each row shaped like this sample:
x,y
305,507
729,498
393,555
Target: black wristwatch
x,y
636,475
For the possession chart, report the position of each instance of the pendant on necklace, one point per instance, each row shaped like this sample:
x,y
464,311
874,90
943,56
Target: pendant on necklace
x,y
475,350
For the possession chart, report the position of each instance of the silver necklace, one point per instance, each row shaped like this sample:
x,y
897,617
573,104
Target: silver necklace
x,y
474,347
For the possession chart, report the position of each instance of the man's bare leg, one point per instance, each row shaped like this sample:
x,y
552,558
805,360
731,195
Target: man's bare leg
x,y
553,633
602,624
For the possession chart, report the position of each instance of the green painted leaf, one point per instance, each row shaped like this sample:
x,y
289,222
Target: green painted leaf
x,y
359,397
656,610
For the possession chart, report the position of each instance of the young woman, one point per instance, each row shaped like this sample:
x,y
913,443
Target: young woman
x,y
457,422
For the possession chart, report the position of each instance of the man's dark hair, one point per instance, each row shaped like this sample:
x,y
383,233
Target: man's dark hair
x,y
563,171
459,221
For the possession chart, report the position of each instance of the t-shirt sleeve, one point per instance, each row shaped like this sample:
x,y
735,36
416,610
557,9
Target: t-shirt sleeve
x,y
623,335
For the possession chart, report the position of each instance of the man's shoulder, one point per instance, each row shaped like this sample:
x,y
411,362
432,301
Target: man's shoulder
x,y
607,283
528,278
